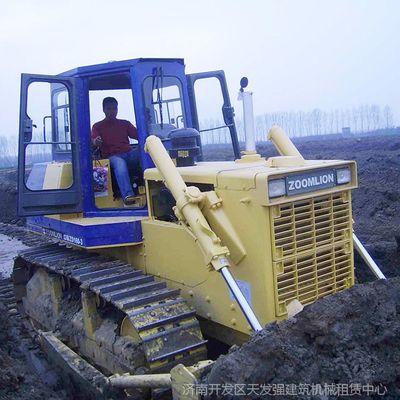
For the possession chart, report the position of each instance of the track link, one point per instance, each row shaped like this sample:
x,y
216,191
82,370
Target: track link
x,y
28,238
165,324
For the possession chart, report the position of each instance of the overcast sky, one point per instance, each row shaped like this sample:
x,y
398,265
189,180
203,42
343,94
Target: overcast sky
x,y
298,55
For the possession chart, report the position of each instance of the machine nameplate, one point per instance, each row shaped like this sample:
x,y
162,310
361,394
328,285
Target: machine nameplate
x,y
311,181
63,236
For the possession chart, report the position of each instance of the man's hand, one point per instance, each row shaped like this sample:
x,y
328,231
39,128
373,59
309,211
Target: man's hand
x,y
97,141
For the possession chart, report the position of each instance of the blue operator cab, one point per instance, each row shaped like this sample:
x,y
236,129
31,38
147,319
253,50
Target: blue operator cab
x,y
65,188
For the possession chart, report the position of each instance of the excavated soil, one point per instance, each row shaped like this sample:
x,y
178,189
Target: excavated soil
x,y
352,338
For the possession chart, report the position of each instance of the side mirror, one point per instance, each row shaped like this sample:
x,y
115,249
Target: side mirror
x,y
243,83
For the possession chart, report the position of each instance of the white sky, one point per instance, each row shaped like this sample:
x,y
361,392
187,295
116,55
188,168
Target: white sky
x,y
298,55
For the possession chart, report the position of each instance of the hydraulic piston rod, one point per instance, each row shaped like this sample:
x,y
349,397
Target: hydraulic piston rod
x,y
244,305
188,212
367,258
140,381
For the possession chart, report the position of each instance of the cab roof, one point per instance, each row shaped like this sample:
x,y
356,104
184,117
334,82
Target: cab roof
x,y
115,66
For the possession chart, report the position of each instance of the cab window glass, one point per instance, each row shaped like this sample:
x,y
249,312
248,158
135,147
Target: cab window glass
x,y
48,150
164,106
62,119
215,135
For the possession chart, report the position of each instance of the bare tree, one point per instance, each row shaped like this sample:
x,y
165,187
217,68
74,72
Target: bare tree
x,y
388,117
375,112
316,122
355,117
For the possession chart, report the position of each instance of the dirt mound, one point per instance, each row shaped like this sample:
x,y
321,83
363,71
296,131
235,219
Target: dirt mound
x,y
351,338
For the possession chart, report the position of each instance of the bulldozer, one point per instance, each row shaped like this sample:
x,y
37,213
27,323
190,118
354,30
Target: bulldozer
x,y
218,243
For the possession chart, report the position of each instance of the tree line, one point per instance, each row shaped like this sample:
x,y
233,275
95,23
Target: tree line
x,y
365,118
362,119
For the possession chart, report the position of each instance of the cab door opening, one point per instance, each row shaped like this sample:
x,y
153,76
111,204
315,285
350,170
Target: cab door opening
x,y
106,191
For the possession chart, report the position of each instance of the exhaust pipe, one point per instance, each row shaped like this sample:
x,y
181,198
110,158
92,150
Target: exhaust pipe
x,y
248,116
283,143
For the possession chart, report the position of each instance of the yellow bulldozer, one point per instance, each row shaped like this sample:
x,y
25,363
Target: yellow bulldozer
x,y
217,244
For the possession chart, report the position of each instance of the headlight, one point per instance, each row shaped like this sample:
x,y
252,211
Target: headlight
x,y
343,175
276,188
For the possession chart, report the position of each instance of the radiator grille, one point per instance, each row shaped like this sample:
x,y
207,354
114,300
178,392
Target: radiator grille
x,y
312,249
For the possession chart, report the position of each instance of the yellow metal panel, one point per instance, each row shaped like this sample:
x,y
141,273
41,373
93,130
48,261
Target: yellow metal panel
x,y
296,247
172,254
204,172
220,223
243,179
62,217
58,176
243,176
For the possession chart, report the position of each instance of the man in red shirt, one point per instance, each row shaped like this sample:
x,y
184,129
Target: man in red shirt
x,y
111,136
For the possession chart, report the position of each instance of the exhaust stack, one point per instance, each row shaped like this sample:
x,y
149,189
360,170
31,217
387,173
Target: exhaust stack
x,y
248,116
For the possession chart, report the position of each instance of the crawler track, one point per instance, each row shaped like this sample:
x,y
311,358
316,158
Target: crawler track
x,y
166,331
26,237
165,324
